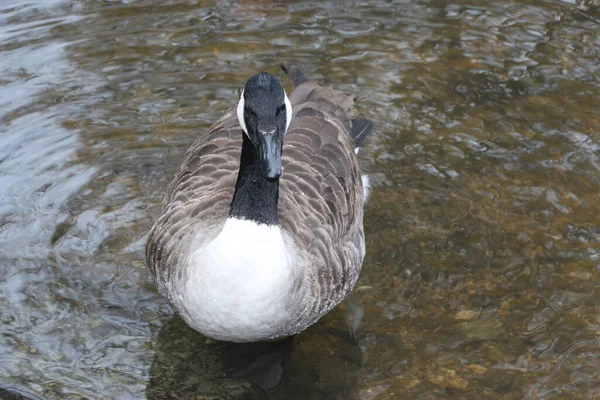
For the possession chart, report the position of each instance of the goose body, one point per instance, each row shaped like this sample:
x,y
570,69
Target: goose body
x,y
261,230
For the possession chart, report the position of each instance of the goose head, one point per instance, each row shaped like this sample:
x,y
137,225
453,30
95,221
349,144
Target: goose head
x,y
265,112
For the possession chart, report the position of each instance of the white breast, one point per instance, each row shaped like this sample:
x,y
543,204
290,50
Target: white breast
x,y
239,284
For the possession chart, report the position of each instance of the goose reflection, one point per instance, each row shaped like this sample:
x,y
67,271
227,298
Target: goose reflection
x,y
320,363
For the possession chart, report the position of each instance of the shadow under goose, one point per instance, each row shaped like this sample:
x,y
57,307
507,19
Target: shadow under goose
x,y
320,363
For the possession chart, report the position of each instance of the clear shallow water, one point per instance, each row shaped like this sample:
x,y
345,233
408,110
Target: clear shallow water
x,y
481,279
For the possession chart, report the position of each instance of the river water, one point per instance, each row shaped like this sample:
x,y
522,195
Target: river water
x,y
482,277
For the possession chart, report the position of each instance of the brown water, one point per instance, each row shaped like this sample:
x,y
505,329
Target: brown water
x,y
483,269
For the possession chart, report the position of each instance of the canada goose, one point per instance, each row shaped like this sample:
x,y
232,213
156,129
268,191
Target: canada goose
x,y
261,230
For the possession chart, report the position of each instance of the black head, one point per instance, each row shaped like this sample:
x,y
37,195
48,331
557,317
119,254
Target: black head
x,y
265,112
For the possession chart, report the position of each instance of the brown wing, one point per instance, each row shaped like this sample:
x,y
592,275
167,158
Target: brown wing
x,y
320,202
199,194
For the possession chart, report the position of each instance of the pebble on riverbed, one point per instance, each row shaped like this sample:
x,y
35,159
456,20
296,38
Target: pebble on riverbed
x,y
466,315
447,378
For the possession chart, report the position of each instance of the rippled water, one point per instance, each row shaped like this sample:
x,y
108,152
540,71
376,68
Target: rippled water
x,y
482,273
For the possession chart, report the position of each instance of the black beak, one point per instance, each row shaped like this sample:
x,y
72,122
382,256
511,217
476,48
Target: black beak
x,y
269,148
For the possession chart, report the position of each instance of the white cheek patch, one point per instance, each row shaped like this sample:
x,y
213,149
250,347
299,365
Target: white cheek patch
x,y
288,111
240,113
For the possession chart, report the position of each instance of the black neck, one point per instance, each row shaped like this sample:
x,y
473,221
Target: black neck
x,y
255,198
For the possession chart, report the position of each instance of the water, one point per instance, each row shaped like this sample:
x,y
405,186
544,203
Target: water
x,y
483,238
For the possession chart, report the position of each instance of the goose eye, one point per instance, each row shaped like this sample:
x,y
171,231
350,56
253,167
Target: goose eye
x,y
280,110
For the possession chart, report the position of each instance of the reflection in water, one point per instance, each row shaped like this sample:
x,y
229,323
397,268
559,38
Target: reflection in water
x,y
483,248
315,364
188,364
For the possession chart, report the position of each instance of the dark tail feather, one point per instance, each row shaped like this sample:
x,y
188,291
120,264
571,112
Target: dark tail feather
x,y
360,130
295,73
